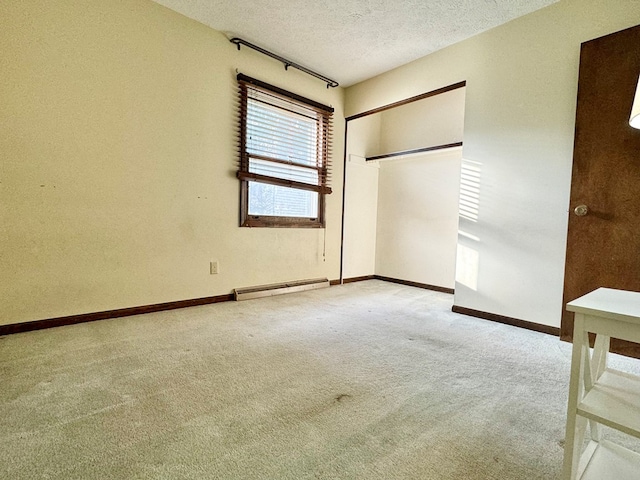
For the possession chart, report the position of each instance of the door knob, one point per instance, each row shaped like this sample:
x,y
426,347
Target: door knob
x,y
581,210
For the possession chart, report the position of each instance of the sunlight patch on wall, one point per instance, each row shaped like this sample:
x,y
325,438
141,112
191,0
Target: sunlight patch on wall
x,y
470,176
467,263
468,235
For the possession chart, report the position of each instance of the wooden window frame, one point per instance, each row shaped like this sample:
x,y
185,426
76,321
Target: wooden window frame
x,y
324,113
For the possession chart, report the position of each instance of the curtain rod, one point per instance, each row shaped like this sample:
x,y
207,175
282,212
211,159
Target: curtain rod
x,y
287,63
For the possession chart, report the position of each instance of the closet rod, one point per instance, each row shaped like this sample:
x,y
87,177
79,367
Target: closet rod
x,y
417,150
287,63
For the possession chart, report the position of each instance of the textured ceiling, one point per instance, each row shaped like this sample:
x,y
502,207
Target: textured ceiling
x,y
352,40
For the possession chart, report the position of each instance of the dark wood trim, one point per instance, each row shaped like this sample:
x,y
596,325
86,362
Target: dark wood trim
x,y
280,222
344,196
409,283
285,93
335,282
255,177
358,279
288,163
121,312
424,286
422,96
415,150
507,320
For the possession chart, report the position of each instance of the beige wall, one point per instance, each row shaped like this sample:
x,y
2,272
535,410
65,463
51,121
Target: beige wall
x,y
117,184
417,220
360,217
518,131
361,193
436,120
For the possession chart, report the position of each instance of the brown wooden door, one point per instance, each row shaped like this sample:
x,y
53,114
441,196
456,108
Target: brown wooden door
x,y
603,246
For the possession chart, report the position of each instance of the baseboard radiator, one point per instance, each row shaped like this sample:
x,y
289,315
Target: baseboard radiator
x,y
279,288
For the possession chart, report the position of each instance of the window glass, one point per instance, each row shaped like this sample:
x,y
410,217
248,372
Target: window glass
x,y
277,201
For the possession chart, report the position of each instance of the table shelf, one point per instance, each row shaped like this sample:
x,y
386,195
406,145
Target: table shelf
x,y
614,401
611,461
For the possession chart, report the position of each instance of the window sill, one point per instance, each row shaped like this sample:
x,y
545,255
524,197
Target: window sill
x,y
280,222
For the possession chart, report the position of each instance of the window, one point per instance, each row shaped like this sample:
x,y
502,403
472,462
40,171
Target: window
x,y
284,154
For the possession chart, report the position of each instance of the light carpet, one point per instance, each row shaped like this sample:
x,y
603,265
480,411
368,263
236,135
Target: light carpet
x,y
369,380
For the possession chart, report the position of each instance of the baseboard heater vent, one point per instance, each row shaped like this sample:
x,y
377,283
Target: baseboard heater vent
x,y
279,288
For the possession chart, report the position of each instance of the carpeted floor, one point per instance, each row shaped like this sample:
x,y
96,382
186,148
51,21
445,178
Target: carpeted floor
x,y
370,380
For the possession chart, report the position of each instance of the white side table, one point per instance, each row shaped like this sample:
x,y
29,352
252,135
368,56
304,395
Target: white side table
x,y
599,395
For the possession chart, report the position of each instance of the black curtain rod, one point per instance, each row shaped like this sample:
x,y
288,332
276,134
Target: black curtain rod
x,y
287,63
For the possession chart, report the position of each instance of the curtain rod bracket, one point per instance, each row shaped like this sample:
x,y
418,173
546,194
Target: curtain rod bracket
x,y
238,41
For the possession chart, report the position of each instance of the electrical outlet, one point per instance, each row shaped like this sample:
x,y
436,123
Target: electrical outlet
x,y
213,267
